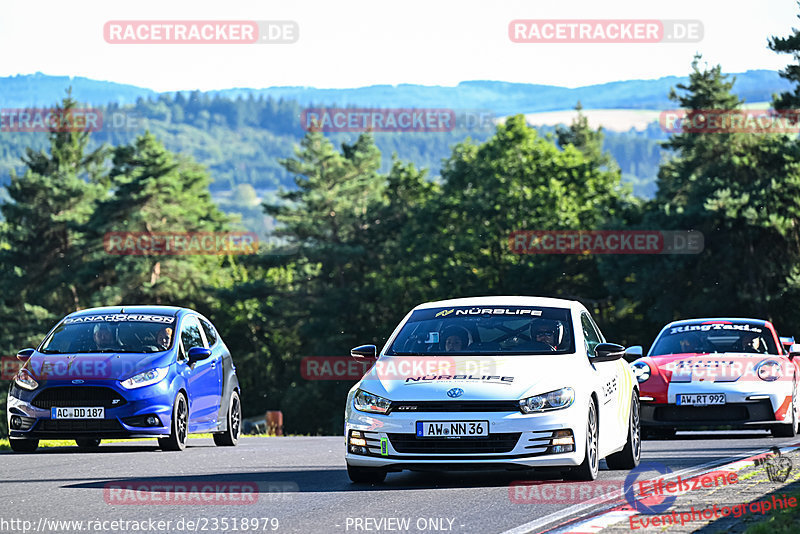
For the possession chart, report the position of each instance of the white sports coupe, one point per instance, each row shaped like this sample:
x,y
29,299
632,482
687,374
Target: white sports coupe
x,y
493,382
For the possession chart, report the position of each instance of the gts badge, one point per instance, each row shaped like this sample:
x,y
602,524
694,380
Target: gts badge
x,y
610,389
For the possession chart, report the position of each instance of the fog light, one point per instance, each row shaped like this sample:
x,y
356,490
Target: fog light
x,y
152,421
16,422
561,448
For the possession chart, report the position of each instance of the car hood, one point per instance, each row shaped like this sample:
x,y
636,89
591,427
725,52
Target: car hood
x,y
713,367
94,366
480,378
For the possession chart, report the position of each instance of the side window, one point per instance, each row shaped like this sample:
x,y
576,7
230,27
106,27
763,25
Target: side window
x,y
211,334
190,334
589,332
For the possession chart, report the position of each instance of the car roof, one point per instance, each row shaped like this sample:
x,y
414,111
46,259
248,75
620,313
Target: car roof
x,y
504,301
156,310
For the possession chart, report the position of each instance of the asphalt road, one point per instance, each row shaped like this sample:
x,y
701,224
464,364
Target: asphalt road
x,y
293,484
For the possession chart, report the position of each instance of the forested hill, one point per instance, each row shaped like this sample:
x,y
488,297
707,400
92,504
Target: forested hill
x,y
240,134
502,98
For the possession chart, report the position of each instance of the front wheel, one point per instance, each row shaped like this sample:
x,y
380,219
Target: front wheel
x,y
366,475
23,445
787,430
230,437
589,468
87,443
176,441
628,457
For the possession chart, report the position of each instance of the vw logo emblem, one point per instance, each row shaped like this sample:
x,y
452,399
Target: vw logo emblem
x,y
455,392
77,381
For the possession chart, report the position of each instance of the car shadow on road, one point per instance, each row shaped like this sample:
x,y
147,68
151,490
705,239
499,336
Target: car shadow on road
x,y
280,482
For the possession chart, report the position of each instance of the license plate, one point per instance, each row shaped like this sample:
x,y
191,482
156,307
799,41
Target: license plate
x,y
700,399
452,429
77,413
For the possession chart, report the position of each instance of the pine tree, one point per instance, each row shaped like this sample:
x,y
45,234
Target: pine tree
x,y
153,191
43,246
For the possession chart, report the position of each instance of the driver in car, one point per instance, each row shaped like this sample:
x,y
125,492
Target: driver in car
x,y
104,337
163,338
691,343
456,338
752,342
548,332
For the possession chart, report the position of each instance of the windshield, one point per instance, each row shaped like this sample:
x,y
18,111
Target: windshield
x,y
111,333
704,338
485,330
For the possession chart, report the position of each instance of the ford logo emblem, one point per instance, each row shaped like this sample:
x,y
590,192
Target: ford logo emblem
x,y
455,392
77,381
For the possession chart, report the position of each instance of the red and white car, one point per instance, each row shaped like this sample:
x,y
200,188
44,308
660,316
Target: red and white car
x,y
705,373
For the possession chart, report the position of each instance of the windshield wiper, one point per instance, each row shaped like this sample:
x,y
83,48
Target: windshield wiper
x,y
50,351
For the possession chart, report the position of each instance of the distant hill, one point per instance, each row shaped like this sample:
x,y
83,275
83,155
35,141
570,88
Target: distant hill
x,y
502,98
240,134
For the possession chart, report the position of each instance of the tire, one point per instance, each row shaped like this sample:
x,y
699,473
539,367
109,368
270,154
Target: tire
x,y
87,443
366,475
23,445
179,428
230,437
629,456
787,430
591,462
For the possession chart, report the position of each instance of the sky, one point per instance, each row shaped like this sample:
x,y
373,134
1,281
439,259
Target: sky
x,y
358,43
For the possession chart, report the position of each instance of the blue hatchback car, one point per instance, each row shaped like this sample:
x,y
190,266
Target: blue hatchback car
x,y
126,372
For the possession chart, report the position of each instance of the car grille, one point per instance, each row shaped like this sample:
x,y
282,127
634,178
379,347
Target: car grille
x,y
455,406
70,396
79,425
757,411
495,443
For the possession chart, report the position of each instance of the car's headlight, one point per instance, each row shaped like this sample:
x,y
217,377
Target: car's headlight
x,y
145,379
641,371
367,402
25,380
769,370
554,400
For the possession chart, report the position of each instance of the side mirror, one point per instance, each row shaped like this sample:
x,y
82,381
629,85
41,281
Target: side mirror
x,y
198,353
365,352
608,352
634,352
25,354
794,350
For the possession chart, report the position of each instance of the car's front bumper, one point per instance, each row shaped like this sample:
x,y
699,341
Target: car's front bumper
x,y
123,420
515,440
747,404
